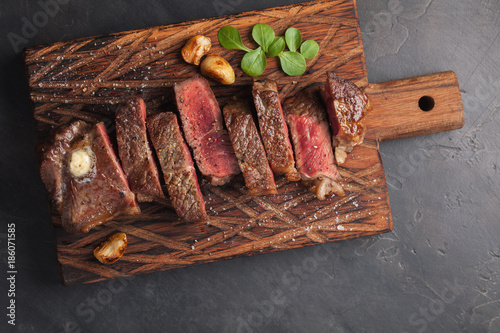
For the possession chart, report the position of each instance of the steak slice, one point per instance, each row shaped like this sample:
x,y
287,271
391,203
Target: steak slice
x,y
177,166
202,124
52,159
101,193
347,105
134,150
273,129
306,118
248,147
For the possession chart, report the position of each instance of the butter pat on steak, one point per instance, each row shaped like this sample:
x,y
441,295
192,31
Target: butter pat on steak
x,y
84,178
53,158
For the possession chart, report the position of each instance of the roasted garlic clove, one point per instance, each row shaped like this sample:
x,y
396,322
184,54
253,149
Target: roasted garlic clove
x,y
112,248
218,69
340,155
195,48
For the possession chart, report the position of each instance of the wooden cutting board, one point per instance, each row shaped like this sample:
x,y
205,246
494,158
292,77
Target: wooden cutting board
x,y
86,78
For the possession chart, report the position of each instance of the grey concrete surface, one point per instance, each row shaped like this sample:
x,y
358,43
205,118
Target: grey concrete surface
x,y
438,271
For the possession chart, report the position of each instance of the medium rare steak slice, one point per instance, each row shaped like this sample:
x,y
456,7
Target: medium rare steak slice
x,y
248,147
347,105
95,187
307,121
135,154
202,124
273,129
53,157
177,166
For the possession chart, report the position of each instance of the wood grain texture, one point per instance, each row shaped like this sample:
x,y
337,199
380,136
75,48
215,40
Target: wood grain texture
x,y
86,78
398,113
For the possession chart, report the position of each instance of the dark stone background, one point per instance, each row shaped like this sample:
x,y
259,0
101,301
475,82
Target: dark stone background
x,y
438,270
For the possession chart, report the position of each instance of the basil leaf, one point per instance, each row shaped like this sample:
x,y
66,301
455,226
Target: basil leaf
x,y
263,34
254,62
276,47
293,38
309,49
230,38
292,63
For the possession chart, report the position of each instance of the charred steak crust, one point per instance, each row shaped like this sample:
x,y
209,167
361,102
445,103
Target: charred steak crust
x,y
135,152
347,105
53,156
203,127
177,166
248,147
273,129
102,194
308,124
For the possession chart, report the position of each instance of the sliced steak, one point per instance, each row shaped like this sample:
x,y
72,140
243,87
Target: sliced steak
x,y
134,150
307,121
53,157
248,147
95,188
273,129
347,105
202,124
177,166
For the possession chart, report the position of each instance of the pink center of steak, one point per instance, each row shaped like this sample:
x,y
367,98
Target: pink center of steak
x,y
306,118
202,124
216,149
314,153
198,108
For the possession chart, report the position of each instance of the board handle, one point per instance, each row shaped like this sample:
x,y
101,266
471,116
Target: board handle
x,y
414,106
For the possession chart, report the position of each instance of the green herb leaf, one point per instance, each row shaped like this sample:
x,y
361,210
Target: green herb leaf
x,y
230,38
309,49
263,34
293,38
292,63
276,47
254,62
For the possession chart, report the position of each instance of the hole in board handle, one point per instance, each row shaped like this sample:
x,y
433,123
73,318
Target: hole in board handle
x,y
426,103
